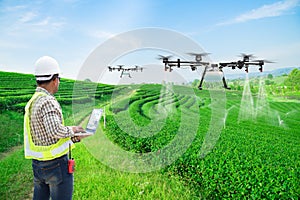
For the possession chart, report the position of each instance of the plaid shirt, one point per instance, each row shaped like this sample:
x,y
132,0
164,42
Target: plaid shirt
x,y
46,120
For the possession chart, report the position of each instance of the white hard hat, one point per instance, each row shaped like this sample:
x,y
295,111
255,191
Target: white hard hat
x,y
45,67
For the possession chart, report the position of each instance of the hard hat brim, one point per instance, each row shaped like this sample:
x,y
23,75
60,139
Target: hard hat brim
x,y
44,77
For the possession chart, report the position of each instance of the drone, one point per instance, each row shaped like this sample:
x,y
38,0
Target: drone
x,y
169,64
125,71
245,63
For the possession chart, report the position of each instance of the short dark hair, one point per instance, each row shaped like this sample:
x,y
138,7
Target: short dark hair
x,y
47,81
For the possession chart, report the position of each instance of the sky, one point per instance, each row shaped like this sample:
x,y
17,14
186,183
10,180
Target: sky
x,y
70,30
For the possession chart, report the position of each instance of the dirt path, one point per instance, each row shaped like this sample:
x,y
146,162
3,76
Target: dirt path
x,y
10,151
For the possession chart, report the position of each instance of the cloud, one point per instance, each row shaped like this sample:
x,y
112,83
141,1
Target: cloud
x,y
27,17
24,21
14,8
99,34
270,10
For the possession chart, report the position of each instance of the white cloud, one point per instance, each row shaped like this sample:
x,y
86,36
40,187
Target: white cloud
x,y
24,21
14,8
271,10
99,34
27,17
43,22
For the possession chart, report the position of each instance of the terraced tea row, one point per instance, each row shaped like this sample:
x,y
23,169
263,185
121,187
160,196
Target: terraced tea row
x,y
16,90
253,158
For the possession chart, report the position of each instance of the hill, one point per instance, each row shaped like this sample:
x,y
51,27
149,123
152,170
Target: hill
x,y
276,72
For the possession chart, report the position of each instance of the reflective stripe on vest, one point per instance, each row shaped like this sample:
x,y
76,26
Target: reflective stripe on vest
x,y
33,151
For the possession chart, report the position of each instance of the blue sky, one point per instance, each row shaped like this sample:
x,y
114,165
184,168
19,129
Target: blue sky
x,y
69,30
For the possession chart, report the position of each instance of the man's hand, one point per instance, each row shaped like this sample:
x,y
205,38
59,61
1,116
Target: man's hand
x,y
78,129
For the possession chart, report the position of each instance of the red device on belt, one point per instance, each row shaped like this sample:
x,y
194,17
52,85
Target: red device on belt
x,y
71,162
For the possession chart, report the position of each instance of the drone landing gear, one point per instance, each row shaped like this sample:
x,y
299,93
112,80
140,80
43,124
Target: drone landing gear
x,y
201,82
125,73
225,84
223,79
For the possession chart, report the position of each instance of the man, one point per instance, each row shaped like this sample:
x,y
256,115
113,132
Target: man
x,y
46,140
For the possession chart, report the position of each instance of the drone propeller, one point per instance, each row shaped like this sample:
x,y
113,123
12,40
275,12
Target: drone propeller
x,y
138,68
264,61
246,57
198,54
160,57
110,68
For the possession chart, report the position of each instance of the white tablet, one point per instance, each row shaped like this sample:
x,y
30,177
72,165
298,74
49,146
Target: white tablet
x,y
93,123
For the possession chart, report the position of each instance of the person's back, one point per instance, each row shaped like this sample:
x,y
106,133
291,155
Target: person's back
x,y
47,140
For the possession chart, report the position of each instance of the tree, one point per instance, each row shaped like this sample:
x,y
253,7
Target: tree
x,y
293,80
270,76
195,83
269,82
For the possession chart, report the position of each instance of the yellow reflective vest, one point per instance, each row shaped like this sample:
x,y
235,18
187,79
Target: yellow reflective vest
x,y
42,153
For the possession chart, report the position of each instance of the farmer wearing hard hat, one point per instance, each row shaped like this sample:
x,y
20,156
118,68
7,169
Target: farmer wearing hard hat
x,y
47,140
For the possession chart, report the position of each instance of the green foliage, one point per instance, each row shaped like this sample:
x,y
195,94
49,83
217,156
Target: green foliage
x,y
11,126
269,82
16,90
285,86
93,180
256,159
195,83
16,176
293,79
270,76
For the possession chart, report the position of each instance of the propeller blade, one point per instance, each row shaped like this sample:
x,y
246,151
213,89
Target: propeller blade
x,y
198,54
265,61
246,55
268,61
160,57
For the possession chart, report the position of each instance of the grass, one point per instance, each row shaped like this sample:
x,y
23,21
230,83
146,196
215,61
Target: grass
x,y
16,176
94,180
11,124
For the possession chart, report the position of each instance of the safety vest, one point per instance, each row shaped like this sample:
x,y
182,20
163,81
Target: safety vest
x,y
42,153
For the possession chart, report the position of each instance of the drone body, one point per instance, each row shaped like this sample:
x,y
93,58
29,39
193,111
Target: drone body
x,y
179,63
124,70
246,62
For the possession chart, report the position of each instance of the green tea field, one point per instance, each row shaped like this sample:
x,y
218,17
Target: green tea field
x,y
164,141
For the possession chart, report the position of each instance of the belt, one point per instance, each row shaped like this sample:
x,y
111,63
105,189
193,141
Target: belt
x,y
43,161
